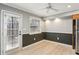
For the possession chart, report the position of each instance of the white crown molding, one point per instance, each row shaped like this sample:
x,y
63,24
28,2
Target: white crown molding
x,y
20,8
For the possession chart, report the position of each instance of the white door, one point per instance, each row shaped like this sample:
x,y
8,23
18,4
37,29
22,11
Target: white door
x,y
11,31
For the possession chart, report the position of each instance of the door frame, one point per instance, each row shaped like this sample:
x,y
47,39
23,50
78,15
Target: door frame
x,y
2,29
76,38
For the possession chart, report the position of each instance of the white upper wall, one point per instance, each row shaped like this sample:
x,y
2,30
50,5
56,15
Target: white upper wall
x,y
43,27
61,25
25,20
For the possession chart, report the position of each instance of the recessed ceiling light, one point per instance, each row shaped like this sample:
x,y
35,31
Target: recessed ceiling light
x,y
57,20
68,6
47,21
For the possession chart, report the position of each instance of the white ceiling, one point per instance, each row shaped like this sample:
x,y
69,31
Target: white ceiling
x,y
38,8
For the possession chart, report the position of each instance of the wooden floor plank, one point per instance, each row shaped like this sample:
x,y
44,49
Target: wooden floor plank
x,y
46,47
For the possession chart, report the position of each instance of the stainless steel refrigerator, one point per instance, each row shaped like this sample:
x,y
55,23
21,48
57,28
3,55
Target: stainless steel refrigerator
x,y
77,37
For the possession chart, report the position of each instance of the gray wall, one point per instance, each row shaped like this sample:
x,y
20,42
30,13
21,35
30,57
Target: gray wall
x,y
59,37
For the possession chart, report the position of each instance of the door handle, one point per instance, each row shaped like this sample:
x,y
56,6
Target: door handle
x,y
19,32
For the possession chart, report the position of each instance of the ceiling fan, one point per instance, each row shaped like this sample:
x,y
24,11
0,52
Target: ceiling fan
x,y
49,7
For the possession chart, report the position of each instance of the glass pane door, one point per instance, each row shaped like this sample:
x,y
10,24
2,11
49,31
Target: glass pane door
x,y
12,33
11,28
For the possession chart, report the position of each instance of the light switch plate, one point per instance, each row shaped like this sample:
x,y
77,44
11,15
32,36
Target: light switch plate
x,y
34,38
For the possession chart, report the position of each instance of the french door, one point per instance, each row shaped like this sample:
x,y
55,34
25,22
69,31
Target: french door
x,y
11,31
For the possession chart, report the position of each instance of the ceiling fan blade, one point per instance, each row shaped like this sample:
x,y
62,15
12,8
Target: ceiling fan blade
x,y
41,8
54,9
47,11
49,4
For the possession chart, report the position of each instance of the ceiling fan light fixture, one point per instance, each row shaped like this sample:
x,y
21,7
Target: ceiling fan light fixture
x,y
49,7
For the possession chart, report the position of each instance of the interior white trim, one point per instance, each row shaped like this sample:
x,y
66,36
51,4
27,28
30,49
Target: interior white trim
x,y
20,8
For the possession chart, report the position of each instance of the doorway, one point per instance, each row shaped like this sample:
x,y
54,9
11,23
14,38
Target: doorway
x,y
11,28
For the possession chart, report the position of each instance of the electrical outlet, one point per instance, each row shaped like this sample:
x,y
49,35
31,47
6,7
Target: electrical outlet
x,y
34,38
58,38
